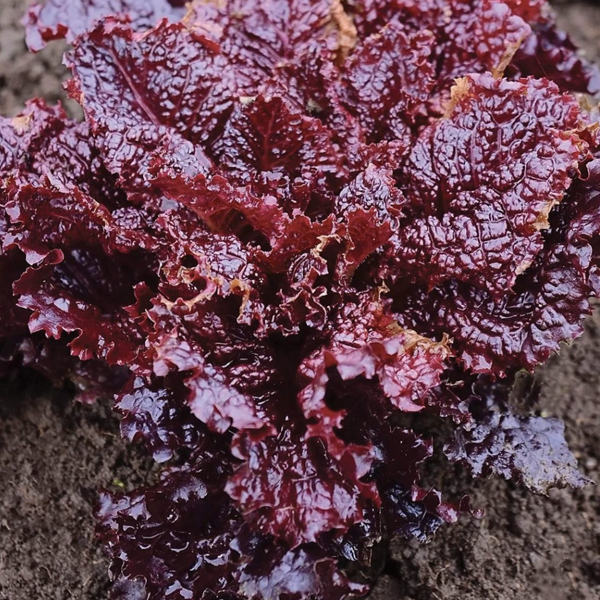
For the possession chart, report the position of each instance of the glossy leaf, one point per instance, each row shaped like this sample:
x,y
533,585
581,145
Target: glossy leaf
x,y
57,19
288,248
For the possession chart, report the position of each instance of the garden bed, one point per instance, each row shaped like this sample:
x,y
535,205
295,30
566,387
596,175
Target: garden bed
x,y
55,454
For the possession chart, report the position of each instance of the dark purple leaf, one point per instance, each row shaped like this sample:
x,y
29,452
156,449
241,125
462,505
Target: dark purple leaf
x,y
57,19
531,450
549,52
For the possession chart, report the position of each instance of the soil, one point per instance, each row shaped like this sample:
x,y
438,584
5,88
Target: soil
x,y
24,75
55,454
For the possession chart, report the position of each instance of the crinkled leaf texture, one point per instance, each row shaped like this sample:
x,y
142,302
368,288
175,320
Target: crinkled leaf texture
x,y
529,449
56,19
478,215
286,233
550,52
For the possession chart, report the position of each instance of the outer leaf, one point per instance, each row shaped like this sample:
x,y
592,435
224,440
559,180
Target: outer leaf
x,y
226,560
90,379
483,181
14,320
407,509
531,450
549,303
44,217
47,291
125,83
57,19
368,344
23,133
371,15
583,211
550,52
184,523
530,10
518,330
275,572
158,416
42,143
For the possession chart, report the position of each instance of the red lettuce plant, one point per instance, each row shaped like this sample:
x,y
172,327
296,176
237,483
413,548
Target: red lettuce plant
x,y
286,232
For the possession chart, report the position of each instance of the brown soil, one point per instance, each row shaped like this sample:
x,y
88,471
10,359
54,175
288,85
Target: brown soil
x,y
526,547
24,75
55,454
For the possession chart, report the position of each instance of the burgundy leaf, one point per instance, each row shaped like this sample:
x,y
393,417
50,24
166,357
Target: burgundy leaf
x,y
289,249
57,19
313,87
124,84
305,572
42,143
89,379
223,207
263,33
50,293
157,415
549,302
518,330
24,133
470,36
183,524
370,207
549,52
484,38
48,216
583,211
389,78
163,534
368,343
479,214
14,319
530,10
300,490
265,139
